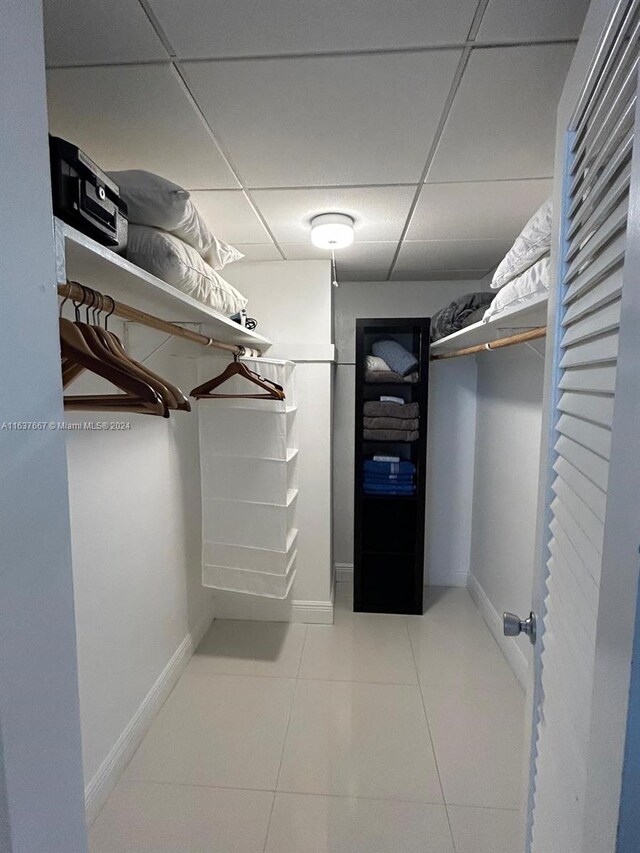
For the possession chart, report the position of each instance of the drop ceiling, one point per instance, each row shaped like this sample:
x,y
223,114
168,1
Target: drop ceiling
x,y
431,123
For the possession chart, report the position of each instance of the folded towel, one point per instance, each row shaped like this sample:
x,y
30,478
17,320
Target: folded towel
x,y
404,467
389,479
388,494
379,458
380,486
372,362
397,357
390,435
385,398
376,409
382,376
388,475
391,423
389,490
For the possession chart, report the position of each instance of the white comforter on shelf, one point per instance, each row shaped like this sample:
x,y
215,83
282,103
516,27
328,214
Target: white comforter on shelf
x,y
521,290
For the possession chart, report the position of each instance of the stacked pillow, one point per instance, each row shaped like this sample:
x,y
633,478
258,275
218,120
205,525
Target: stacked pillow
x,y
169,238
525,270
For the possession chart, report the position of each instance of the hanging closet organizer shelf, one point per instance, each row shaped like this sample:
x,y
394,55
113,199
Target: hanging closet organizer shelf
x,y
519,319
81,259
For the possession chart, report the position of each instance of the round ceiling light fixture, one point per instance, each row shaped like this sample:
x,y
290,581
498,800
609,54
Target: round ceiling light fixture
x,y
332,230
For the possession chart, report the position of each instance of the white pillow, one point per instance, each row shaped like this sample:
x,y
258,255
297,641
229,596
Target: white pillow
x,y
533,242
177,263
523,288
155,201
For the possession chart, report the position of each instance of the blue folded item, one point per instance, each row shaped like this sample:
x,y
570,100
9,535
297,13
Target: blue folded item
x,y
388,485
403,467
375,489
400,489
391,479
397,357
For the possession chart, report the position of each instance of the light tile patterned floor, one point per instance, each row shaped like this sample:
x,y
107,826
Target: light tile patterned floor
x,y
377,734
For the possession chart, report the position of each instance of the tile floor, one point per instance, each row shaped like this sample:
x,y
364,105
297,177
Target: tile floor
x,y
374,735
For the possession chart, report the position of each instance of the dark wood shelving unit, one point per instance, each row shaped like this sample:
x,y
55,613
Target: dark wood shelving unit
x,y
389,529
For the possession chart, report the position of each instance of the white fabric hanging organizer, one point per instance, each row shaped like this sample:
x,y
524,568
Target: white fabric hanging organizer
x,y
248,457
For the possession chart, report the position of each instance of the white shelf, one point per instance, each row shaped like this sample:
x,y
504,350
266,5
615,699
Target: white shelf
x,y
519,318
81,259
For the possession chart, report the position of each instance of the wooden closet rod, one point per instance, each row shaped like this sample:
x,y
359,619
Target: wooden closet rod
x,y
74,291
520,338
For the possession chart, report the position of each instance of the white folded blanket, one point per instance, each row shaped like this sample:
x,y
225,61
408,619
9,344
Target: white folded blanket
x,y
521,289
376,364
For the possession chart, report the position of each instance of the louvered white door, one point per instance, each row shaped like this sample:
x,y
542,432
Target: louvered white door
x,y
583,398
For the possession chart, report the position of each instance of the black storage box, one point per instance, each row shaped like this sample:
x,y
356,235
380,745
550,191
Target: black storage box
x,y
84,197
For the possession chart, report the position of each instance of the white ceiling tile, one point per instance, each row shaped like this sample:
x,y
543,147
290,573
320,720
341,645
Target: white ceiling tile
x,y
215,28
358,262
502,124
306,252
476,210
259,252
366,119
135,117
418,258
79,32
230,216
471,276
379,213
524,20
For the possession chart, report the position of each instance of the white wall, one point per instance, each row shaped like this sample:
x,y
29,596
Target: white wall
x,y
451,449
507,455
135,520
41,798
451,425
291,300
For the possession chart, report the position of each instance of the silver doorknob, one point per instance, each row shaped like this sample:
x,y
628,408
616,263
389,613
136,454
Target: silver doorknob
x,y
513,625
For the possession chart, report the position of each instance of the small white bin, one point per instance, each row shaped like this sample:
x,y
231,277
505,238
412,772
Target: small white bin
x,y
256,571
259,434
242,478
256,525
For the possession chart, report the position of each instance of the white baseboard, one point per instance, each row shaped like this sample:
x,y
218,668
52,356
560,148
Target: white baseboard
x,y
446,578
99,788
254,609
510,649
344,572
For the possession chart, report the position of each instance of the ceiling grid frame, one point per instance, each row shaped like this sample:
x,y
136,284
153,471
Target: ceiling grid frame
x,y
322,54
462,65
179,65
155,23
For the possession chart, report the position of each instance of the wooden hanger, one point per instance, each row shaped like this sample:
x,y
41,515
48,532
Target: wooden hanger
x,y
173,396
104,347
108,348
138,395
237,368
178,399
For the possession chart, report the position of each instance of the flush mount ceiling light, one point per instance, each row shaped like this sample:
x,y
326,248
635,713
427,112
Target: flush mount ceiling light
x,y
332,231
